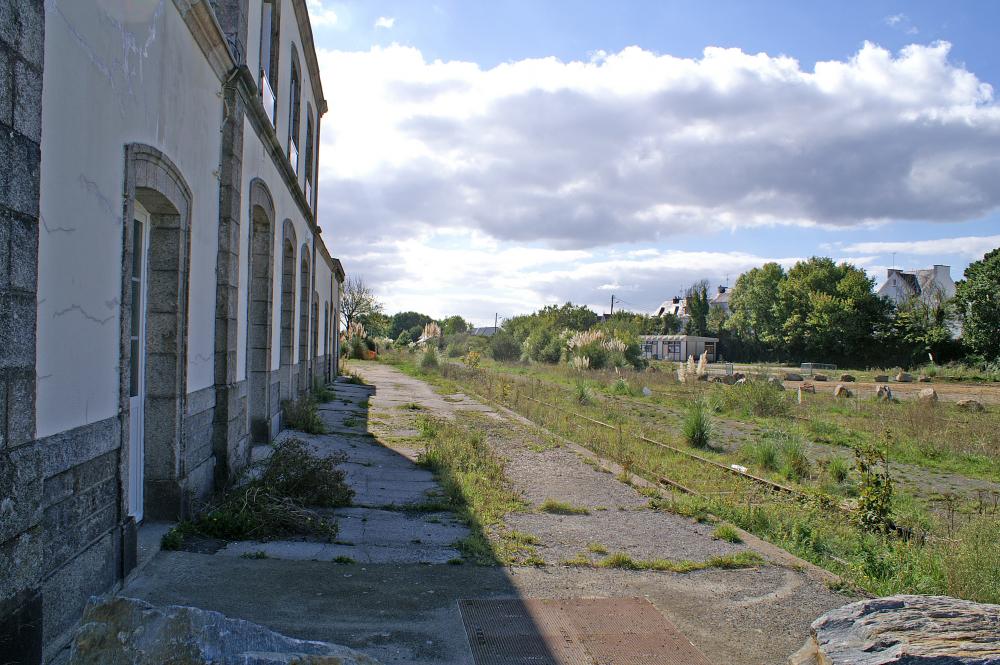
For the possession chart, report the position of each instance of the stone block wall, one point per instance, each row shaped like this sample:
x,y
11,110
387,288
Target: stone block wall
x,y
22,28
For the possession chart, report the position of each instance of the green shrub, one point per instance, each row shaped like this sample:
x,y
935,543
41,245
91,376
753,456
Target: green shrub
x,y
357,349
302,414
621,387
583,394
430,358
795,464
697,425
838,468
504,348
875,499
763,454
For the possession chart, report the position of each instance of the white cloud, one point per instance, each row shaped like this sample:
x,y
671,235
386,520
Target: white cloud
x,y
639,145
901,22
968,247
442,181
319,15
386,22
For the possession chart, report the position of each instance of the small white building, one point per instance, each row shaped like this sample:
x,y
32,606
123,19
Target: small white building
x,y
721,299
678,347
932,285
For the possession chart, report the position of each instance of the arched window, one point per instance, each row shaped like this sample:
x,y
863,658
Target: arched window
x,y
309,154
269,56
294,112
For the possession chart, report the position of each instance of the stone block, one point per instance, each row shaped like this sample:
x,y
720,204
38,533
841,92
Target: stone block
x,y
20,563
28,100
200,400
3,414
6,83
71,448
162,377
19,187
66,591
23,238
162,327
904,629
31,20
121,630
163,291
21,408
71,525
17,330
20,490
10,25
163,500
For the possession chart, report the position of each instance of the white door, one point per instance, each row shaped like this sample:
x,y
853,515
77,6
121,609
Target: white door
x,y
137,378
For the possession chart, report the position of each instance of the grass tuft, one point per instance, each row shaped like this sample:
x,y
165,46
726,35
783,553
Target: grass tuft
x,y
697,425
555,507
302,414
727,533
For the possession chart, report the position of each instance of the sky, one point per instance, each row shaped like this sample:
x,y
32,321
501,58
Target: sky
x,y
489,158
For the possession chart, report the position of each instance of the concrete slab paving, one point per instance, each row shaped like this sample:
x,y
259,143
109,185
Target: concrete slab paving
x,y
398,601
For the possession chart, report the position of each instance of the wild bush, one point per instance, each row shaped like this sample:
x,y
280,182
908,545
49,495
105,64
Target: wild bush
x,y
763,453
302,414
875,500
278,500
838,468
430,358
795,464
697,425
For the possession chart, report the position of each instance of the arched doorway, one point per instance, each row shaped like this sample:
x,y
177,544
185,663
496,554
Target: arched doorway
x,y
259,310
287,309
154,332
304,309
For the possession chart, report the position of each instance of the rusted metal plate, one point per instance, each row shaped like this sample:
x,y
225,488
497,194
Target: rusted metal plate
x,y
575,631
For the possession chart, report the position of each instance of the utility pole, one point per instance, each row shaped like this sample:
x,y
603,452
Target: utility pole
x,y
612,304
496,317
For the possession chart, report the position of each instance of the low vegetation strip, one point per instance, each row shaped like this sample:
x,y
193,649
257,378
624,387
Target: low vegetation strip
x,y
276,498
623,561
473,477
941,557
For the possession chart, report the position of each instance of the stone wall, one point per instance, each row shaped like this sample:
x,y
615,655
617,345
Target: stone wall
x,y
22,28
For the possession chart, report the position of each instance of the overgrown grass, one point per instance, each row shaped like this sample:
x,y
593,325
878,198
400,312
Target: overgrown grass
x,y
727,533
278,499
302,414
474,482
813,528
697,425
620,560
322,394
429,360
555,507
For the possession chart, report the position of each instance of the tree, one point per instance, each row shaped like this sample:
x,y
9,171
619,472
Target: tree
x,y
919,330
411,321
977,301
753,313
697,309
376,323
503,347
358,301
829,311
454,325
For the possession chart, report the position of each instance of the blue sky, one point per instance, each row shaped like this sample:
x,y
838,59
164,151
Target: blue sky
x,y
496,157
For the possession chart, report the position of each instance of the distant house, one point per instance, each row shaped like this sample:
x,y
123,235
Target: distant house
x,y
721,299
485,331
676,306
678,347
932,285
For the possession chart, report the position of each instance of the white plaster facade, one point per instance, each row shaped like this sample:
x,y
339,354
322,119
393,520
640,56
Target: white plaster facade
x,y
154,107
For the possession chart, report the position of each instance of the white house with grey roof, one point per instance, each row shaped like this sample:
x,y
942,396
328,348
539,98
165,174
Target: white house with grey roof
x,y
931,285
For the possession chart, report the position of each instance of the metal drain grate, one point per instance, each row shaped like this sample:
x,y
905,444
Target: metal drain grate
x,y
576,631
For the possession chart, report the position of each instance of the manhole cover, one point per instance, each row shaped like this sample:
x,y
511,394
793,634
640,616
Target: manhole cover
x,y
576,631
